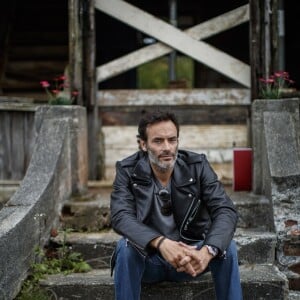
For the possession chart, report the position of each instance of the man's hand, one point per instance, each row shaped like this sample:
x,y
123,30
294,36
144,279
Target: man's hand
x,y
175,254
198,259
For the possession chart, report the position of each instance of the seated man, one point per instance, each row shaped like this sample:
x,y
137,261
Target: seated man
x,y
175,218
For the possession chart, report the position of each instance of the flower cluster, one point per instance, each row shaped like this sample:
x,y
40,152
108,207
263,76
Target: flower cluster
x,y
57,91
272,87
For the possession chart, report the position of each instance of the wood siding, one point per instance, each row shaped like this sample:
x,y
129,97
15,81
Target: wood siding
x,y
16,140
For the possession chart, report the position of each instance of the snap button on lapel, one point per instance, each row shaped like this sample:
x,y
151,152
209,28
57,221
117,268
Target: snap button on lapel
x,y
191,179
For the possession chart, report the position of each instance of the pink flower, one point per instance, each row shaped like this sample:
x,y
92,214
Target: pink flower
x,y
44,84
54,89
55,92
75,93
273,86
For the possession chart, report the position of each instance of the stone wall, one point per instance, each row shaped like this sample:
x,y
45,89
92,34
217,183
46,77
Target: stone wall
x,y
57,170
276,157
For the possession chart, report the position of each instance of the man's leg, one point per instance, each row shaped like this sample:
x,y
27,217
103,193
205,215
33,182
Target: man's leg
x,y
128,271
226,275
132,268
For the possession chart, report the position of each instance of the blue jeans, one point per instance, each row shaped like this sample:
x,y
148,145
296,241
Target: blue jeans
x,y
132,268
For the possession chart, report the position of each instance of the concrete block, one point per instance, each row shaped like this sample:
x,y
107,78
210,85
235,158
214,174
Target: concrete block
x,y
258,282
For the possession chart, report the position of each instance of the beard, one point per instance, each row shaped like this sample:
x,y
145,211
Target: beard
x,y
162,167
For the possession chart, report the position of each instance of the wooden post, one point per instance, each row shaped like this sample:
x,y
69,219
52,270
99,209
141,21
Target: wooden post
x,y
263,41
83,76
75,49
89,91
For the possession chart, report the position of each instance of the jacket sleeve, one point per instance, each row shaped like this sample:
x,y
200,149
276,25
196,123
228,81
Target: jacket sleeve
x,y
123,212
220,208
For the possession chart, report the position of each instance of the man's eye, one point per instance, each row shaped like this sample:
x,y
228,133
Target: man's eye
x,y
157,141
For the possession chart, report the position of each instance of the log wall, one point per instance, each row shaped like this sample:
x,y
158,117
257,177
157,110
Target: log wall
x,y
16,139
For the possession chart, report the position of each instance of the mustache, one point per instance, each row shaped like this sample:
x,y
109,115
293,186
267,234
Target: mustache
x,y
166,152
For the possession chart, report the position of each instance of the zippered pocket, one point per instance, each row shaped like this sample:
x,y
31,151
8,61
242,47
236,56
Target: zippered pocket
x,y
192,212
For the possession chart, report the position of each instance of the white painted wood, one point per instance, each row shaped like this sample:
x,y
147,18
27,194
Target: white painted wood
x,y
213,140
151,52
191,136
173,97
198,50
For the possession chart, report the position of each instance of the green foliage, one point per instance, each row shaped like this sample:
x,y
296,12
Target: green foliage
x,y
65,262
60,101
154,75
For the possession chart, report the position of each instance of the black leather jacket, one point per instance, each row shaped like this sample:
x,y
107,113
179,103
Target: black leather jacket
x,y
201,208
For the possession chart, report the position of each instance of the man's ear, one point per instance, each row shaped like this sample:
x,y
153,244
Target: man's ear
x,y
143,145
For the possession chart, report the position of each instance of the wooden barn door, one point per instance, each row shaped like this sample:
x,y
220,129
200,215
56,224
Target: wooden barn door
x,y
188,42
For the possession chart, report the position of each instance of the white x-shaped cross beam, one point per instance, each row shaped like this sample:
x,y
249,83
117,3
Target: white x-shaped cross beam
x,y
171,38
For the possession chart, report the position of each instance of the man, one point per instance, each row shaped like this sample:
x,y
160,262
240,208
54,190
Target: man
x,y
174,215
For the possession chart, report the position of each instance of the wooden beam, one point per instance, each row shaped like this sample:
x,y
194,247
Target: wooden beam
x,y
196,106
200,51
151,52
173,97
75,48
187,115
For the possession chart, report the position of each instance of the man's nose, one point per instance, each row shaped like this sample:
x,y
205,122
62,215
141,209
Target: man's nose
x,y
166,145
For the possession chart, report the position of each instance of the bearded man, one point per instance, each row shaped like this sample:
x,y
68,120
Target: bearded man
x,y
174,216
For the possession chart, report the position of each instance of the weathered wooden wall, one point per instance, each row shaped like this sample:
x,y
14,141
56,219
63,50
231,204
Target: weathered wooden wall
x,y
213,121
216,141
16,139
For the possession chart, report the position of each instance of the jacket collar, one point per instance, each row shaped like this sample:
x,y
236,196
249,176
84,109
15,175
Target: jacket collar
x,y
182,175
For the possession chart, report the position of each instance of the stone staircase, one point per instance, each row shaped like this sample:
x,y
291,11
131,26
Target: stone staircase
x,y
92,236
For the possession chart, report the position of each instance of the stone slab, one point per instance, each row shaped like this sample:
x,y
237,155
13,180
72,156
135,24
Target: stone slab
x,y
258,282
97,247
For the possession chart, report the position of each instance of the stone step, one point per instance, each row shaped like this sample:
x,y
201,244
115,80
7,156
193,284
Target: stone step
x,y
91,212
253,247
258,282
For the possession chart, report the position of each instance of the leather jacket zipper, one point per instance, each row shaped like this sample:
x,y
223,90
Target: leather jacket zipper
x,y
190,215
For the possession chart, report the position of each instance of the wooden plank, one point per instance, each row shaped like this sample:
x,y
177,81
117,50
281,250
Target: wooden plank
x,y
173,97
38,52
151,52
214,141
30,38
198,50
191,136
39,67
17,142
188,115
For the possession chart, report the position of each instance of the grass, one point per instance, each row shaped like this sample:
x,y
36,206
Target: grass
x,y
154,75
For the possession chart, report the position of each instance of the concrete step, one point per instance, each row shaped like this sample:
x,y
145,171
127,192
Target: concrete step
x,y
258,282
254,247
91,212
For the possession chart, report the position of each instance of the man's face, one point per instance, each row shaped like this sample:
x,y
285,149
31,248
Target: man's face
x,y
161,145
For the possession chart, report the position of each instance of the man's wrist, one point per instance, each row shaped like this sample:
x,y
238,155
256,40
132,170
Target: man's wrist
x,y
214,251
161,240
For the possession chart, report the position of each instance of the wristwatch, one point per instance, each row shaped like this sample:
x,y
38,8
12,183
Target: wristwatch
x,y
214,251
